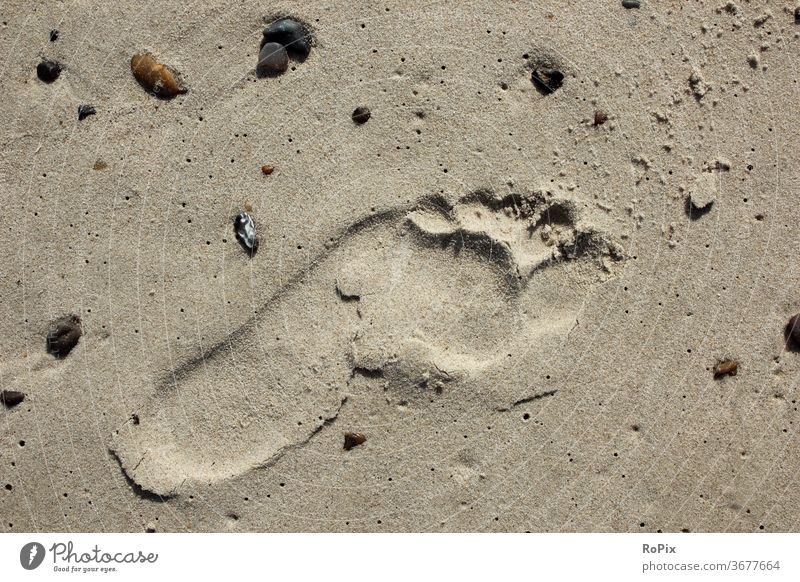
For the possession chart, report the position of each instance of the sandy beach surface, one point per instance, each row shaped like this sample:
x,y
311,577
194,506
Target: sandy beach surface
x,y
544,285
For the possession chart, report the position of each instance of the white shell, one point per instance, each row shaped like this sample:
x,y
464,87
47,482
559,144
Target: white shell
x,y
246,231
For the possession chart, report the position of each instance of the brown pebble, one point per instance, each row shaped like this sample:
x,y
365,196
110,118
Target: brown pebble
x,y
64,335
11,398
156,78
267,170
793,330
272,60
353,439
100,165
361,115
726,368
600,117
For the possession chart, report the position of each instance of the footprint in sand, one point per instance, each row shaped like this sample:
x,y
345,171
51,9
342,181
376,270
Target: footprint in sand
x,y
419,297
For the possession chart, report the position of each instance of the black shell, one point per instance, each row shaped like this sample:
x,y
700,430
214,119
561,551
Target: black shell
x,y
245,230
64,335
85,111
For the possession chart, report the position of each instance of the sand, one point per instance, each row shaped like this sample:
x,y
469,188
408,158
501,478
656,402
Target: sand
x,y
516,292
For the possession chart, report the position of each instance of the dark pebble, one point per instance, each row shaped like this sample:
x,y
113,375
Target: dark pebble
x,y
361,115
631,3
797,15
48,71
11,398
85,111
272,60
600,117
291,34
53,35
547,81
793,330
64,335
353,439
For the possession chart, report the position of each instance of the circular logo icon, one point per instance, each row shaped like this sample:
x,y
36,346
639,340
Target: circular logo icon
x,y
31,555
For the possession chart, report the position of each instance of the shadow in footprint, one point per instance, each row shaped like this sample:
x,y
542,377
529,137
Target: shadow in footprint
x,y
418,297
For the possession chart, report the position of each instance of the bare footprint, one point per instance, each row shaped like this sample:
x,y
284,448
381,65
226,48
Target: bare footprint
x,y
420,297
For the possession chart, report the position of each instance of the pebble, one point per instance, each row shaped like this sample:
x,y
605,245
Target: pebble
x,y
793,330
53,35
245,230
272,60
361,115
630,3
64,335
353,439
155,77
293,35
600,117
267,169
11,398
48,71
85,111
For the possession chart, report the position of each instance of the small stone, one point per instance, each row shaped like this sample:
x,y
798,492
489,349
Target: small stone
x,y
53,35
797,15
85,111
631,4
245,230
361,115
63,335
267,170
600,117
293,35
48,71
11,398
353,439
726,368
793,330
100,165
272,60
